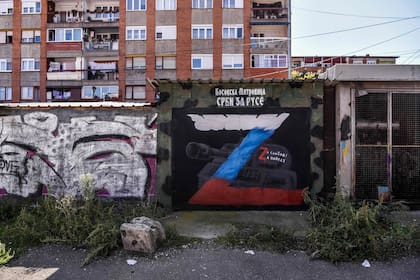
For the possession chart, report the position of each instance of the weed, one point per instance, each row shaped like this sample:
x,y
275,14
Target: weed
x,y
89,223
174,239
342,232
262,237
5,255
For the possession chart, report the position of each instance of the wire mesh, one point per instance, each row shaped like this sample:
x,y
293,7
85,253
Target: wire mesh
x,y
371,119
371,171
406,119
406,173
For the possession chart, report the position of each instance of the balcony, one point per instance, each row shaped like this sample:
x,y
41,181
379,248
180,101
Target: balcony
x,y
101,45
65,75
102,75
268,14
268,42
100,15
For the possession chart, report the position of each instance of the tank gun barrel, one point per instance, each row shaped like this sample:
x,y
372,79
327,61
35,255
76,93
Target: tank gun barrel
x,y
204,152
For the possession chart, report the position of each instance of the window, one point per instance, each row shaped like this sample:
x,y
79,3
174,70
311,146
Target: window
x,y
371,62
5,65
5,93
31,7
357,61
135,92
6,36
233,61
232,31
136,33
268,61
202,32
136,62
167,32
65,35
230,4
31,36
202,61
202,4
30,64
99,92
165,62
136,5
166,4
6,7
29,93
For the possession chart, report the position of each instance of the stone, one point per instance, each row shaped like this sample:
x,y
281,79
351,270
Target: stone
x,y
142,234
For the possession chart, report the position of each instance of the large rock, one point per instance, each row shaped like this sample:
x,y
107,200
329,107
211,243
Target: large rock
x,y
142,235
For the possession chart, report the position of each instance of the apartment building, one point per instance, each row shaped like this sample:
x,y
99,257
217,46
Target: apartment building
x,y
86,50
321,63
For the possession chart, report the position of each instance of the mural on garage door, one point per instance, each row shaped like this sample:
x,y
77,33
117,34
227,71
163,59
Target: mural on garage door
x,y
43,152
242,157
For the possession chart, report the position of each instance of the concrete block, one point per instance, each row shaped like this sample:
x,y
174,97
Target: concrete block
x,y
142,234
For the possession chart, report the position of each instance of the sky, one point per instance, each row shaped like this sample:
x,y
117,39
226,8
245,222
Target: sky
x,y
310,17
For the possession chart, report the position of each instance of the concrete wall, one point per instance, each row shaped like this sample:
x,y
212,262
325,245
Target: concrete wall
x,y
197,95
48,150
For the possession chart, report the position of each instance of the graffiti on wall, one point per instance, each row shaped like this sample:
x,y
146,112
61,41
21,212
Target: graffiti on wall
x,y
249,158
39,152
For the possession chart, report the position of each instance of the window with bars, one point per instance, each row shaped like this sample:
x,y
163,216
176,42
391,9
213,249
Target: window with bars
x,y
387,151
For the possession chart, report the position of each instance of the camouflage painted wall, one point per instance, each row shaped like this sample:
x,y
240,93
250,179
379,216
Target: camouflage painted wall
x,y
197,95
46,151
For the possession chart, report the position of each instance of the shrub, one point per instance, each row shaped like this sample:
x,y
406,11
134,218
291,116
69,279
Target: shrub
x,y
89,223
343,232
5,255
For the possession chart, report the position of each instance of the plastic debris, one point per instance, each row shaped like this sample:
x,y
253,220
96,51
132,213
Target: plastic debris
x,y
131,262
366,263
250,252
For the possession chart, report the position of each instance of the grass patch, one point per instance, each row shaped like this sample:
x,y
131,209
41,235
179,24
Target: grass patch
x,y
342,231
174,239
90,223
259,237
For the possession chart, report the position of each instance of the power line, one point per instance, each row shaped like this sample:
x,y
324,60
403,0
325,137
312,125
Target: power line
x,y
353,28
385,41
330,58
344,14
412,57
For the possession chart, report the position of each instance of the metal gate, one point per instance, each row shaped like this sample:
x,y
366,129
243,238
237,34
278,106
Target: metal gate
x,y
387,145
